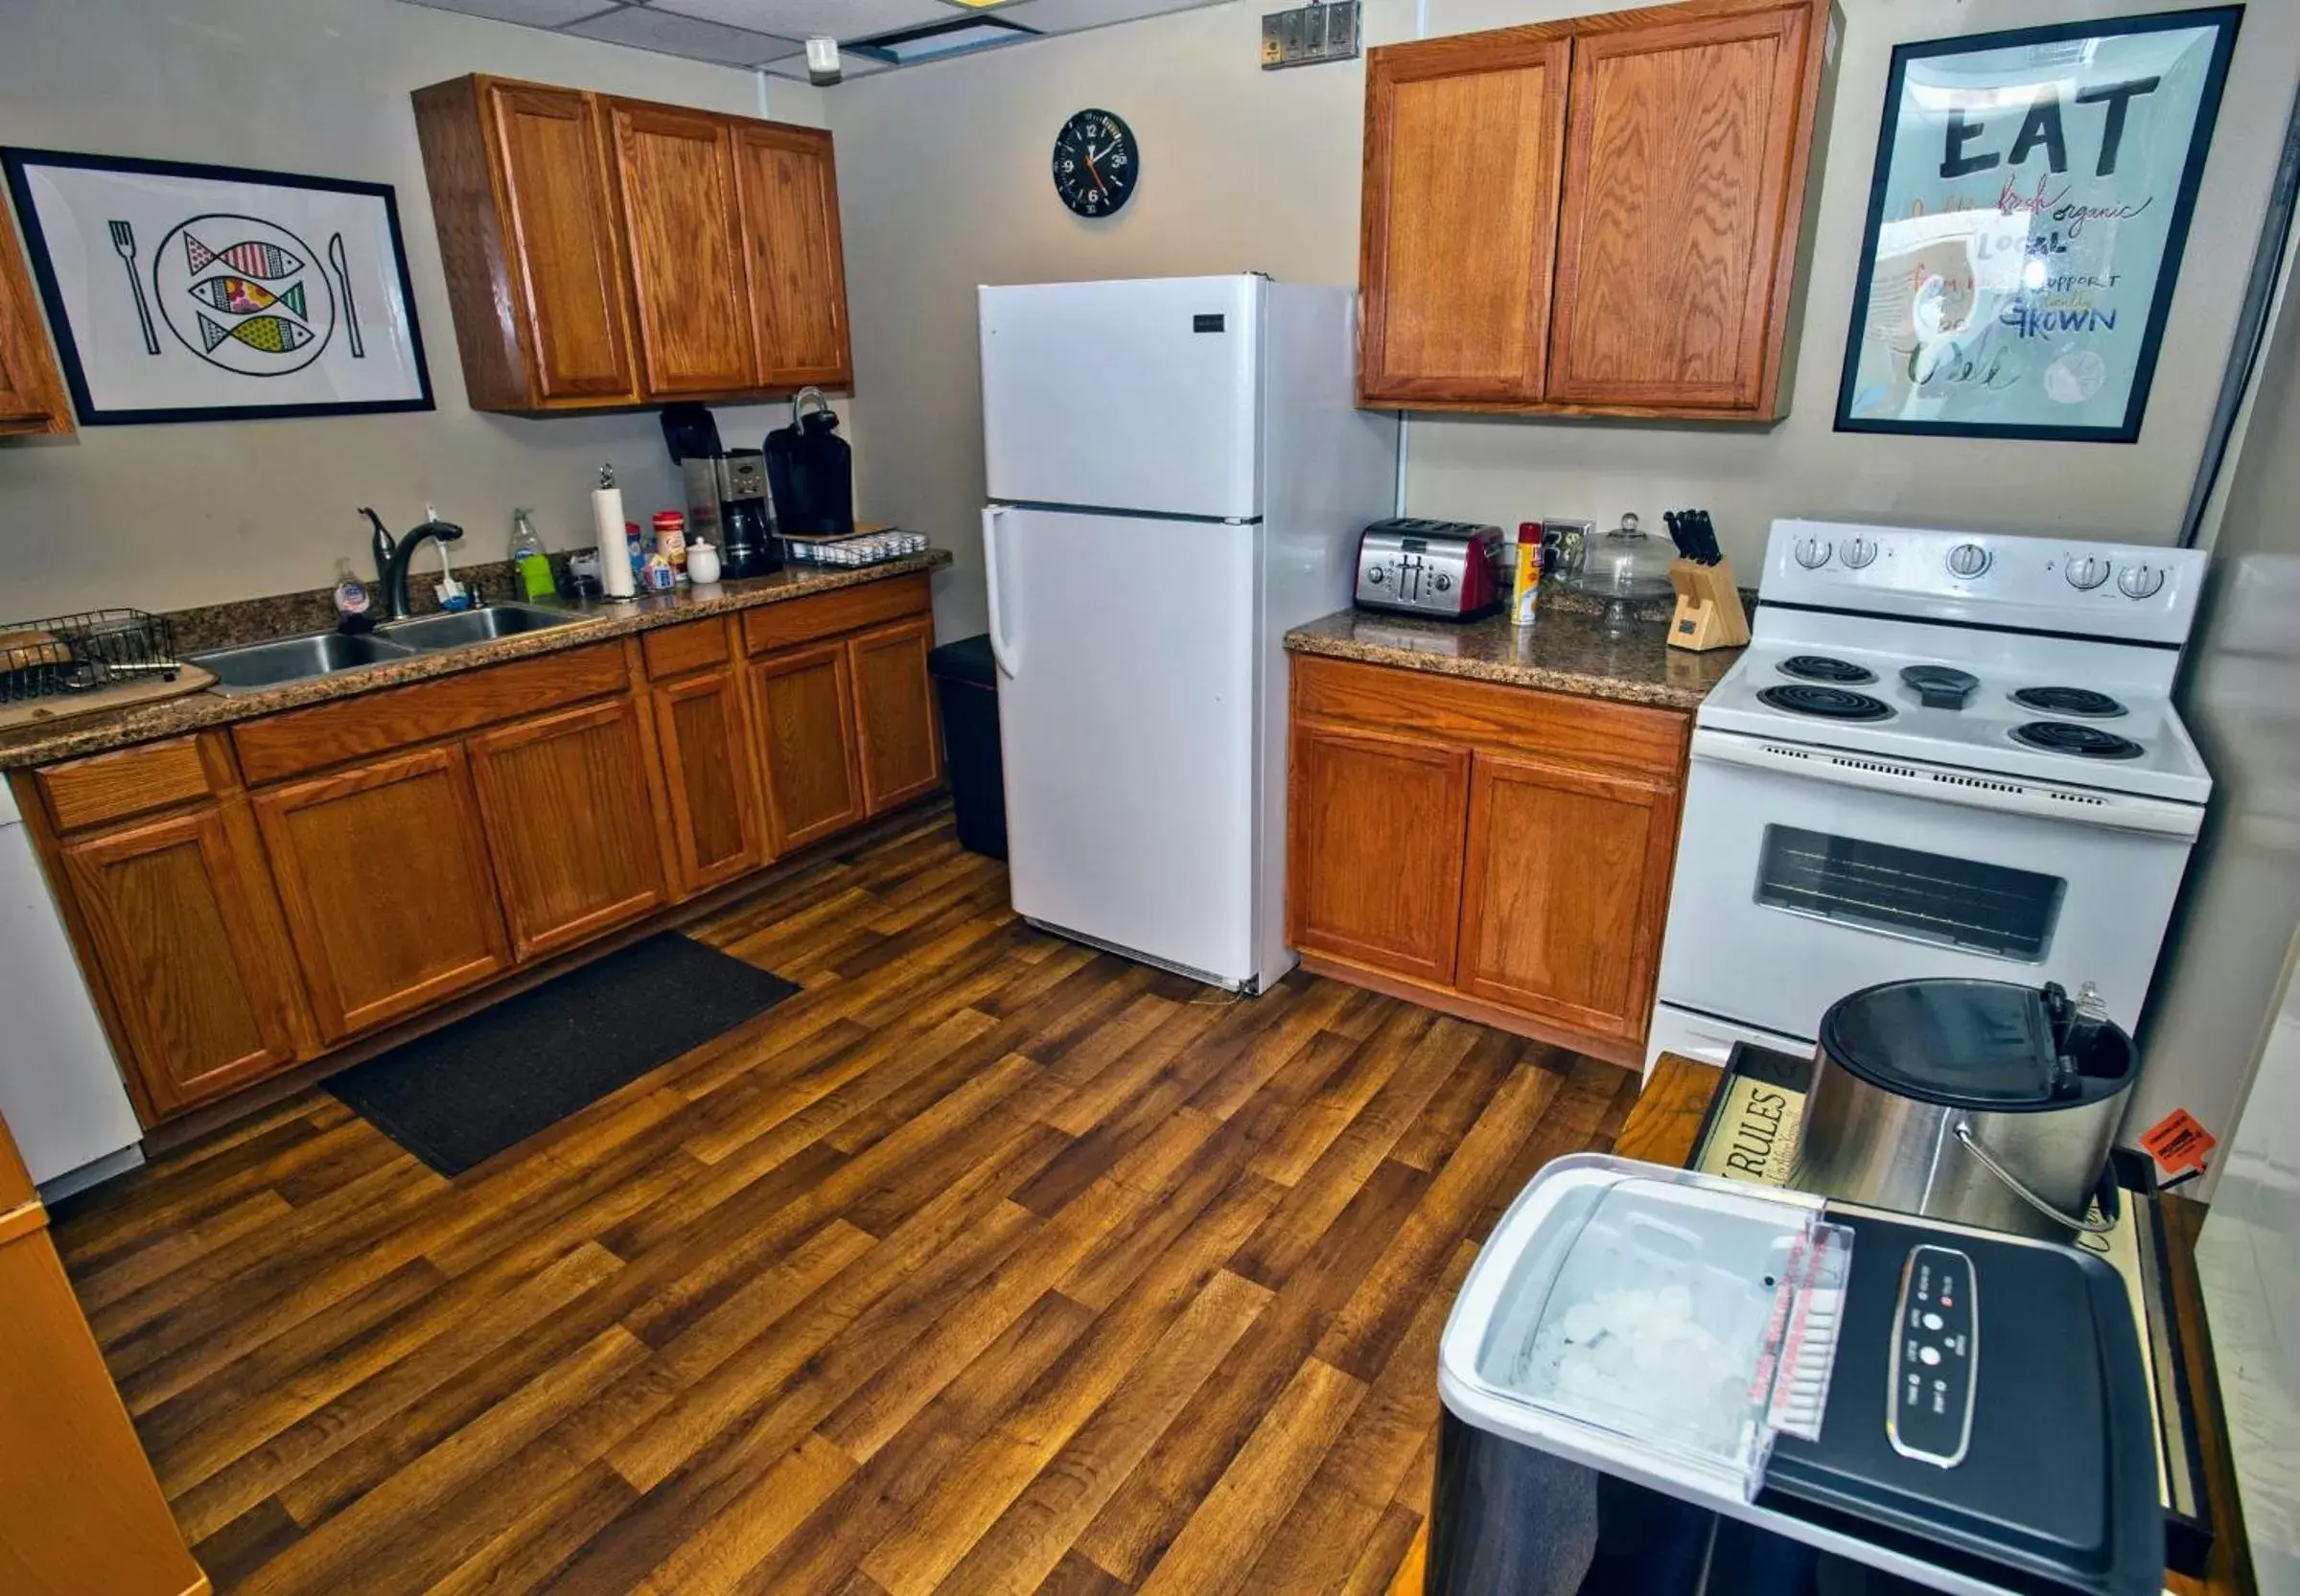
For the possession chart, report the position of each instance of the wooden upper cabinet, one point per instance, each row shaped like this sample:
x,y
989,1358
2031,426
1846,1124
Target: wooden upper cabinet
x,y
603,252
569,824
1594,216
1677,237
1567,889
31,393
385,880
675,171
176,917
787,185
527,227
1463,143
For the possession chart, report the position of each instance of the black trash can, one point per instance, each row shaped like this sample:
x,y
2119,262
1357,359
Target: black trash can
x,y
966,676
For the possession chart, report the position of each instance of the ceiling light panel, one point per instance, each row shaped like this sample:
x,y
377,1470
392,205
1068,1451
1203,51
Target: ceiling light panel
x,y
1070,16
962,37
841,19
649,28
535,13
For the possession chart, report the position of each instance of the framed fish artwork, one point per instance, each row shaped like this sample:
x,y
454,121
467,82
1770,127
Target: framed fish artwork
x,y
180,293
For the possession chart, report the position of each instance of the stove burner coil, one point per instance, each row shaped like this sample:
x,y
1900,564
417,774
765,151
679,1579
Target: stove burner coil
x,y
2085,742
1833,704
2069,700
1819,667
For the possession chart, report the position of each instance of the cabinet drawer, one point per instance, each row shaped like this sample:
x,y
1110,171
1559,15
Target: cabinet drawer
x,y
1557,726
802,620
677,650
352,728
82,793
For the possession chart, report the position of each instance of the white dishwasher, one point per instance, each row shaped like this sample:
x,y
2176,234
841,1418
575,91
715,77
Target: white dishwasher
x,y
59,1089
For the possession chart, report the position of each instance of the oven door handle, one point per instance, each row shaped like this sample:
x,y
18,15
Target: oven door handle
x,y
1909,778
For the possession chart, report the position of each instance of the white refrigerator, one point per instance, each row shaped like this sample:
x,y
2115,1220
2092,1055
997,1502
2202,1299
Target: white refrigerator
x,y
1177,474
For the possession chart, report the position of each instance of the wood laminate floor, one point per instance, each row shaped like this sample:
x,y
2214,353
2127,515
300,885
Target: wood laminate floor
x,y
988,1263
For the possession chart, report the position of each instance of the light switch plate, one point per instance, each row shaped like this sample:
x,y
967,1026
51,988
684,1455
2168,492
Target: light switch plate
x,y
1308,34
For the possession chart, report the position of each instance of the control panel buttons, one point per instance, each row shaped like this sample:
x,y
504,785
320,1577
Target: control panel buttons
x,y
2084,571
1857,552
1812,553
2141,580
1445,583
1968,560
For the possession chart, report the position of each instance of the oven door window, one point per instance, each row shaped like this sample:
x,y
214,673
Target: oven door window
x,y
1925,898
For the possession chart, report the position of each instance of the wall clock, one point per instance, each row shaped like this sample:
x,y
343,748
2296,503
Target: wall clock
x,y
1095,162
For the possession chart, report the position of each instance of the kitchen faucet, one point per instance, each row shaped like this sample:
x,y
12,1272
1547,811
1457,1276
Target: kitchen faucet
x,y
391,556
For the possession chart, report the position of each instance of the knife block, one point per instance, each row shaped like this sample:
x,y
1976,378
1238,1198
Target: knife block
x,y
1709,607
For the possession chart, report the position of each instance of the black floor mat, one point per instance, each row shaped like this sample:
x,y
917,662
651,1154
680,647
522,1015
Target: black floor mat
x,y
464,1093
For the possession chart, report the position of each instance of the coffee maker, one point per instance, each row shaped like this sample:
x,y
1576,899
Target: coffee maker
x,y
746,531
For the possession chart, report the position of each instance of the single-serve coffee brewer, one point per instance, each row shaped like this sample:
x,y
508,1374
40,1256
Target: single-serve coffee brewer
x,y
747,532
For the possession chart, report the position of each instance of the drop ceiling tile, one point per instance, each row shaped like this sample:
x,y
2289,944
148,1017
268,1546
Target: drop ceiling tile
x,y
535,13
1070,16
650,27
842,19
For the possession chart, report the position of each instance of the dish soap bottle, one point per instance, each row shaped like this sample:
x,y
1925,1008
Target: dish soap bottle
x,y
528,558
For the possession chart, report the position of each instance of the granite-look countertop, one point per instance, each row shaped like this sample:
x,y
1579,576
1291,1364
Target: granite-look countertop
x,y
1564,651
600,619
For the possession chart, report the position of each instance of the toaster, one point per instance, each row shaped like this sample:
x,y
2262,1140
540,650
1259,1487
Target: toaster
x,y
1450,568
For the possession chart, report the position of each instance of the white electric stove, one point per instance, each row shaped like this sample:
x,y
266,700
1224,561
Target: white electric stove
x,y
1944,754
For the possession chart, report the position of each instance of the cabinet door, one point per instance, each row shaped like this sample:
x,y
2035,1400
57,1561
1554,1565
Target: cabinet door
x,y
896,736
788,188
716,823
1685,162
31,393
676,175
1374,855
1568,885
562,235
565,803
1462,149
386,884
198,977
805,700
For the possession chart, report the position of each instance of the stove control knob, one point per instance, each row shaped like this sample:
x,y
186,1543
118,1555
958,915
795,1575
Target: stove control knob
x,y
1857,552
1812,553
2139,581
2084,571
1968,560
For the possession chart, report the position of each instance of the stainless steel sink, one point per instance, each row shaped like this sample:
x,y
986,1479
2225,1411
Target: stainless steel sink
x,y
473,626
272,665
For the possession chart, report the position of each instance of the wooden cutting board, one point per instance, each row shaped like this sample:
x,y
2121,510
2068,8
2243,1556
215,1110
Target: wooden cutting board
x,y
61,708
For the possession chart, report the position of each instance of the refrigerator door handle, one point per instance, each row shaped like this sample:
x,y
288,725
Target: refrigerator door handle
x,y
1002,649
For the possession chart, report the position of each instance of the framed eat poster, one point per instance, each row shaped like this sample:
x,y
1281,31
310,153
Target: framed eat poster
x,y
2031,196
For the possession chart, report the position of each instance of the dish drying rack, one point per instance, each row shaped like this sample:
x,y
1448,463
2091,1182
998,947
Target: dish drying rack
x,y
62,655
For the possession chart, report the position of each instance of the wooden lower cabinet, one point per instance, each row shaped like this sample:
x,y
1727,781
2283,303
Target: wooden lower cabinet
x,y
384,879
1375,854
564,801
897,738
1566,869
1509,862
80,1510
805,703
197,976
717,830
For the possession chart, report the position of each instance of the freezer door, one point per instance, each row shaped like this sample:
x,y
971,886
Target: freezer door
x,y
1137,396
1127,719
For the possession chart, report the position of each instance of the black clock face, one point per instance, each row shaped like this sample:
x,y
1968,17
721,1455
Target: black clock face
x,y
1095,162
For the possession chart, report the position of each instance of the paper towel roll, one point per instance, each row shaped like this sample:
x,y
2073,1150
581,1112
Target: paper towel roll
x,y
614,549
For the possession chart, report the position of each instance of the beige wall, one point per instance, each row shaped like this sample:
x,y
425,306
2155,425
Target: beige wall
x,y
2218,986
943,170
169,515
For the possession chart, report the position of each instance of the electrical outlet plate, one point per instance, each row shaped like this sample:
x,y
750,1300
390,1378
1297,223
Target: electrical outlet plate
x,y
1308,34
